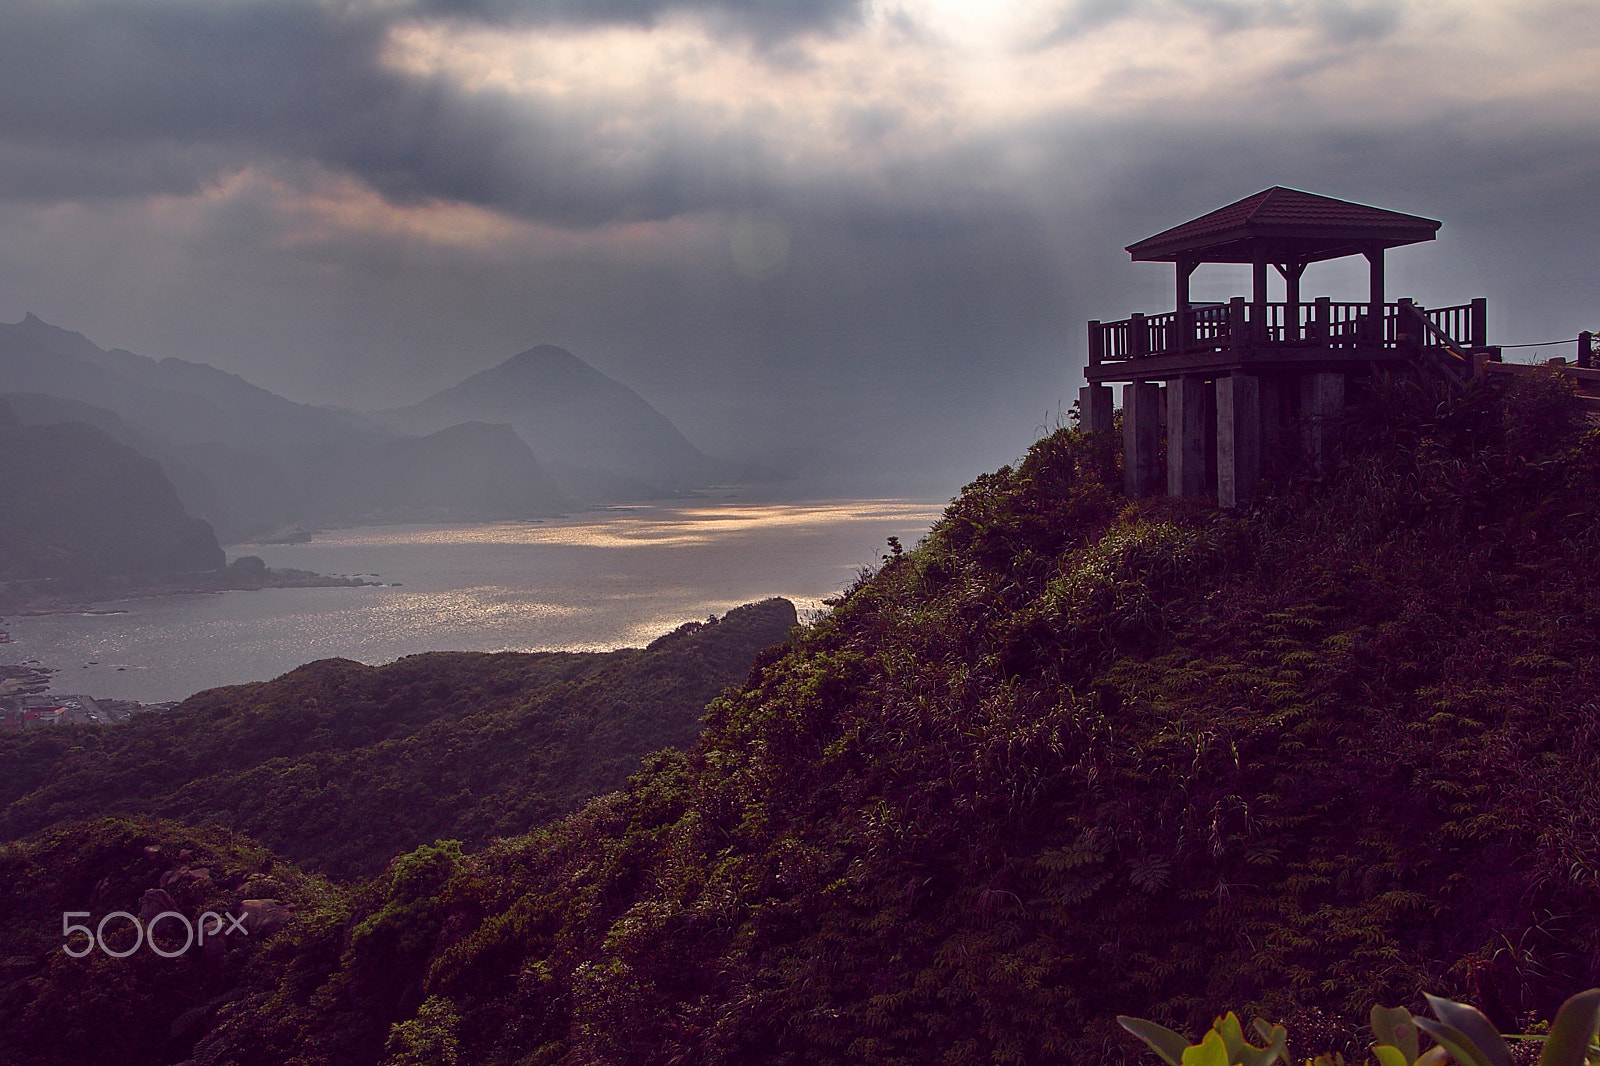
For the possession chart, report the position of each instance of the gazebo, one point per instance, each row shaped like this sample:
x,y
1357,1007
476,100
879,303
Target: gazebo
x,y
1229,379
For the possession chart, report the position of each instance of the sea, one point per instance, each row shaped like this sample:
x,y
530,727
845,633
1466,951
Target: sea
x,y
594,581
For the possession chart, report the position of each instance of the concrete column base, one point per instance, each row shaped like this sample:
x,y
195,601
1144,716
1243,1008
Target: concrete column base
x,y
1238,438
1141,468
1094,408
1273,414
1187,408
1321,406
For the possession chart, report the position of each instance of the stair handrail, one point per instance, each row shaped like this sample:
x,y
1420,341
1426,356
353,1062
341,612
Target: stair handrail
x,y
1444,342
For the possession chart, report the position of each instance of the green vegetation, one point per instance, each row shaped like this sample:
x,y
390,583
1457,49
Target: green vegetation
x,y
1071,757
1461,1034
66,1011
339,766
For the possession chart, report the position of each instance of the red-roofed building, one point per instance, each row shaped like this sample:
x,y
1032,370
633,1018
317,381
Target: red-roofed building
x,y
1225,380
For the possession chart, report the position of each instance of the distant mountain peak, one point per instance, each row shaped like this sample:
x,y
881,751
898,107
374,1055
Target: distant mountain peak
x,y
577,419
55,339
547,357
543,351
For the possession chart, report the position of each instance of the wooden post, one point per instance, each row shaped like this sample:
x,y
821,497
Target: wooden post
x,y
1237,324
1138,336
1186,436
1375,294
1183,268
1480,323
1586,350
1324,320
1238,438
1097,343
1407,324
1141,472
1258,287
1291,298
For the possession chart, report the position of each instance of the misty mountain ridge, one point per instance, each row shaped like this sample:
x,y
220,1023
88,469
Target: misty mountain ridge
x,y
250,461
184,403
595,434
74,502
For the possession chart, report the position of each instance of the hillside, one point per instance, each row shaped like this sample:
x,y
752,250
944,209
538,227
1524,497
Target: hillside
x,y
74,502
1071,757
339,766
141,1007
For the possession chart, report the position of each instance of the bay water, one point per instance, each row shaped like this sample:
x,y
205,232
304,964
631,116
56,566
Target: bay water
x,y
586,582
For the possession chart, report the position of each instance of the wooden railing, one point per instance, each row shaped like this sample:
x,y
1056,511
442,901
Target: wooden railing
x,y
1210,328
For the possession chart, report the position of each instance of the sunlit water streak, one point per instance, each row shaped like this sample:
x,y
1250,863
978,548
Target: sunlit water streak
x,y
588,582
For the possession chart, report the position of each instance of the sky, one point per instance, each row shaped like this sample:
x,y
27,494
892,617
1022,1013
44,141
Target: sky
x,y
821,231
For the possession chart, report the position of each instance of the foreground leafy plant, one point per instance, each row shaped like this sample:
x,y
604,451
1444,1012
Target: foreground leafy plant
x,y
1461,1033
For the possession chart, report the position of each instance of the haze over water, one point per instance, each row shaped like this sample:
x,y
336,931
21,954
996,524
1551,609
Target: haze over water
x,y
592,581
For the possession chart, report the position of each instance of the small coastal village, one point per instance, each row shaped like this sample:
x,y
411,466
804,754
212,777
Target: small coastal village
x,y
26,700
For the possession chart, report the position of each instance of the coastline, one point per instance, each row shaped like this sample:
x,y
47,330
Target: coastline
x,y
88,596
38,596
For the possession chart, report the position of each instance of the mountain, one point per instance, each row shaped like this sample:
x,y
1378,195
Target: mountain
x,y
468,470
251,462
186,404
1071,757
598,437
74,503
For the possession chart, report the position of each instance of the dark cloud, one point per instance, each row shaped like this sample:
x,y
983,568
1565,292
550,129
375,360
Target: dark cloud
x,y
1342,22
165,95
763,19
201,85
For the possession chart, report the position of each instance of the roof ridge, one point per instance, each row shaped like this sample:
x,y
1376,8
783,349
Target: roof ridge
x,y
1281,211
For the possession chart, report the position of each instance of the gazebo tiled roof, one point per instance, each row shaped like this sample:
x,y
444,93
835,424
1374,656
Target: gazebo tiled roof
x,y
1282,225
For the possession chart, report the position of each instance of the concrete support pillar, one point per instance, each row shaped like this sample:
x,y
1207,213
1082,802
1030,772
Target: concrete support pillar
x,y
1186,436
1094,408
1273,416
1238,438
1141,424
1321,405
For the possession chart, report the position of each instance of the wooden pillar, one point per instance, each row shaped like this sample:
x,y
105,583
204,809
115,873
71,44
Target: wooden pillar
x,y
1141,424
1408,325
1094,408
1238,438
1184,267
1258,293
1321,406
1480,323
1097,342
1375,294
1186,436
1291,297
1238,329
1323,320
